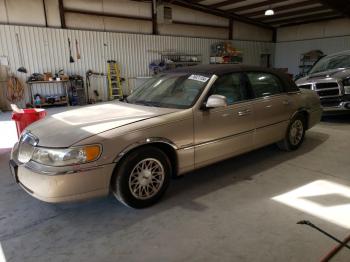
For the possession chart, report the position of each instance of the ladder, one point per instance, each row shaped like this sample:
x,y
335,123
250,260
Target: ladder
x,y
114,81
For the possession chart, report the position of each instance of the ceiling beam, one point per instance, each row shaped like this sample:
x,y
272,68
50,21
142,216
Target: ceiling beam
x,y
284,7
294,13
305,18
312,21
224,3
217,12
256,5
343,6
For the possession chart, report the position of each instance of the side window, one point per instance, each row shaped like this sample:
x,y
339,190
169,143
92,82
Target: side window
x,y
264,84
231,87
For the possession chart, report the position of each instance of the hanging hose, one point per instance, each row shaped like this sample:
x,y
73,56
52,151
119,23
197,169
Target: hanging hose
x,y
15,90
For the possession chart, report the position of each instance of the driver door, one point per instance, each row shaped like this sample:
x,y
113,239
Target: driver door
x,y
223,132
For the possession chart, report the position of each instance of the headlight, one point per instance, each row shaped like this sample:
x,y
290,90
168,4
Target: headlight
x,y
66,156
346,84
27,143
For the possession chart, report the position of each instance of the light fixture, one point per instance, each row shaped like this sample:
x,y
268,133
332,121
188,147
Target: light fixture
x,y
269,12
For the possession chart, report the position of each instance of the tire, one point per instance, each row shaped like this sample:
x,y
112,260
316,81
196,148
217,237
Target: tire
x,y
142,177
295,134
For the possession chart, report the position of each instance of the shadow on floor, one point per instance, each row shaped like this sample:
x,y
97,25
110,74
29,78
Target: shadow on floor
x,y
337,119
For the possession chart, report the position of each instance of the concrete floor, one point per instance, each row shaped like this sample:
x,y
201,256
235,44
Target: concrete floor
x,y
241,209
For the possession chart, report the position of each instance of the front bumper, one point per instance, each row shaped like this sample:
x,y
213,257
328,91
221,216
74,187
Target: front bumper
x,y
336,105
59,186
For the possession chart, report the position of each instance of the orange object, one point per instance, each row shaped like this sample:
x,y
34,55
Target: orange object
x,y
26,117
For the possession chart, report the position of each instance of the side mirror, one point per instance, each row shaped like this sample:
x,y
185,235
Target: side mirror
x,y
215,101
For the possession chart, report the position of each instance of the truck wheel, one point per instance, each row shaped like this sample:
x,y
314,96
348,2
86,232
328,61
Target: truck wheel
x,y
142,177
295,134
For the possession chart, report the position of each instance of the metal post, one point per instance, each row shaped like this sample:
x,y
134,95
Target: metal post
x,y
154,18
62,16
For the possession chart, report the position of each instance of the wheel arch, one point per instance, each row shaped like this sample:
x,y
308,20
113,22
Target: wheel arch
x,y
167,146
304,112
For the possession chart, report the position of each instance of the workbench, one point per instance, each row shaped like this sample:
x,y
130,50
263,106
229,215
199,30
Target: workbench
x,y
63,83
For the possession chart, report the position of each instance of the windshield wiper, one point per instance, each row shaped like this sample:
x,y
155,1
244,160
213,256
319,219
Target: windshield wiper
x,y
148,103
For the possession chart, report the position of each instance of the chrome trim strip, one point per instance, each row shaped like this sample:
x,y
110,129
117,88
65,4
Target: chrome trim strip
x,y
146,141
56,173
227,137
215,140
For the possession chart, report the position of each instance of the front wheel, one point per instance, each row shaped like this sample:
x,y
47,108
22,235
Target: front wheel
x,y
142,177
295,134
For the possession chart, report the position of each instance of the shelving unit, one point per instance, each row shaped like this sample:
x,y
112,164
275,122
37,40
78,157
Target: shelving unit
x,y
225,53
174,60
63,83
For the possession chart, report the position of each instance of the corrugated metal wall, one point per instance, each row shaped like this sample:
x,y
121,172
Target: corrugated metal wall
x,y
287,54
46,49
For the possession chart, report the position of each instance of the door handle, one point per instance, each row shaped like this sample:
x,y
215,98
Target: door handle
x,y
244,112
268,106
285,102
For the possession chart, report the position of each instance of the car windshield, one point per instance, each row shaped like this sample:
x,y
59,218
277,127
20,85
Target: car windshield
x,y
331,62
170,90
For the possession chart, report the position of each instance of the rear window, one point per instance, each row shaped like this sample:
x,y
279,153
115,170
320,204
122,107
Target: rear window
x,y
264,84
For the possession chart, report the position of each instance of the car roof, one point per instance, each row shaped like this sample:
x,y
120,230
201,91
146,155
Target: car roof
x,y
221,69
346,52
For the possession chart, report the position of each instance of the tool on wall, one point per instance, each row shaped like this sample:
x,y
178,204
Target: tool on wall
x,y
77,49
114,80
15,90
336,249
21,69
90,73
71,59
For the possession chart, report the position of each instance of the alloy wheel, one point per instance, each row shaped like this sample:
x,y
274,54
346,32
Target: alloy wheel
x,y
146,179
296,132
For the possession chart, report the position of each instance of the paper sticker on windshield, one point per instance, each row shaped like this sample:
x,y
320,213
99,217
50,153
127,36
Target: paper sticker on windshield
x,y
199,78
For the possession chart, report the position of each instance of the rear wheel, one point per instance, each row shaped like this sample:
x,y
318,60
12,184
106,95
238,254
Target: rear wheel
x,y
295,134
142,177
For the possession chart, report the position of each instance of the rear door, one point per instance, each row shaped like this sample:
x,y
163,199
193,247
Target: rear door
x,y
270,105
225,131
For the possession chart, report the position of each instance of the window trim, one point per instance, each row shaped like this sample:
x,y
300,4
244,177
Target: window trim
x,y
255,97
244,82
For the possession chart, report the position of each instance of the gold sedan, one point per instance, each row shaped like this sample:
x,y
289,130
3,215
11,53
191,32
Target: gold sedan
x,y
176,122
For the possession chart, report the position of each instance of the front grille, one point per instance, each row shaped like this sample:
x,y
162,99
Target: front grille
x,y
305,86
332,92
326,85
330,102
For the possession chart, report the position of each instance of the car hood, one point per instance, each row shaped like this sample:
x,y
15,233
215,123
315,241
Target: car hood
x,y
67,128
334,73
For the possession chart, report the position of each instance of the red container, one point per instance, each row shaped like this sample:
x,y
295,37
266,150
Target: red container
x,y
27,117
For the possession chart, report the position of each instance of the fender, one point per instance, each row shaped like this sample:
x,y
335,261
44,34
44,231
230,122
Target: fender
x,y
146,141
